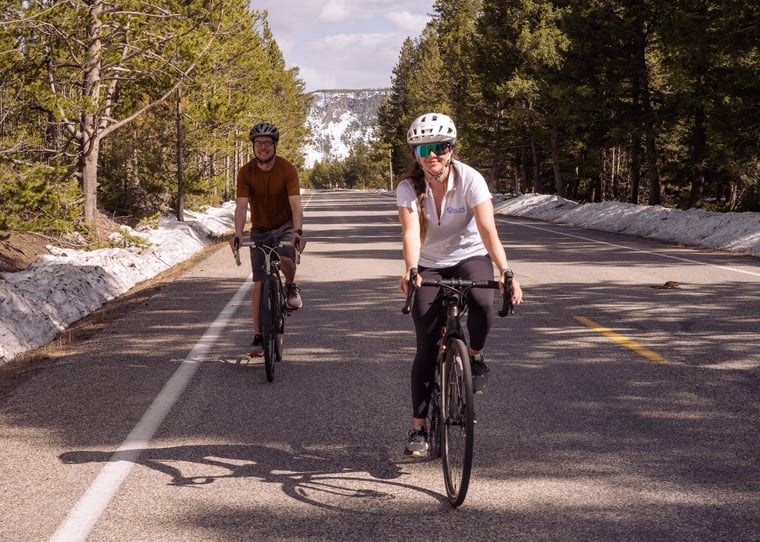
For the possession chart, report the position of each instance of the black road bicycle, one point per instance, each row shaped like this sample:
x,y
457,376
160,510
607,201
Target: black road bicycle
x,y
273,306
451,411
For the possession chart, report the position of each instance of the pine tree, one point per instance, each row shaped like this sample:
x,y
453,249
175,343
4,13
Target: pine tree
x,y
519,47
454,22
392,113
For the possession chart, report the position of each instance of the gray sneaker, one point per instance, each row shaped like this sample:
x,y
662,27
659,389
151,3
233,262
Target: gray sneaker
x,y
294,297
416,443
257,346
479,373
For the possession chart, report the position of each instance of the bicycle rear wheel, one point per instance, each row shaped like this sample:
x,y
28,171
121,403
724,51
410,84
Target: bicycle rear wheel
x,y
268,309
458,421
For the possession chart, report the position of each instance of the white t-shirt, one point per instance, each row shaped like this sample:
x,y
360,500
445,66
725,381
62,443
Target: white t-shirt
x,y
452,237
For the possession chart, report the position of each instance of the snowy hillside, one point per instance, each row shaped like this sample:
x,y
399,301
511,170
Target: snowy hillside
x,y
338,119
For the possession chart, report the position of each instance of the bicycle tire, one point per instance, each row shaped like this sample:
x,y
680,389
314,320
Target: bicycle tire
x,y
280,322
458,421
267,315
433,422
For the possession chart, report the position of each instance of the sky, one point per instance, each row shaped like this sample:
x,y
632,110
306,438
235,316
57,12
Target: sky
x,y
57,290
344,44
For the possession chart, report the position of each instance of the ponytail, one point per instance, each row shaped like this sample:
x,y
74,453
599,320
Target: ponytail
x,y
416,176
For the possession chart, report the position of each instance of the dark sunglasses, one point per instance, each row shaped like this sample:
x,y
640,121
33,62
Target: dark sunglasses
x,y
422,151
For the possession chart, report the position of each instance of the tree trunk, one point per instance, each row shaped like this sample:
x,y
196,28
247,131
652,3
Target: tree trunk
x,y
89,136
699,150
536,166
89,172
180,168
700,158
559,182
651,170
636,140
635,167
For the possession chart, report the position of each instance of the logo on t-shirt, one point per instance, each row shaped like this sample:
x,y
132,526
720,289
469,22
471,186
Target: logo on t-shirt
x,y
453,211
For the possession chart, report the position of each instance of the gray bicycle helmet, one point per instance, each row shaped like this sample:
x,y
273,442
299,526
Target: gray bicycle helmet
x,y
264,129
431,128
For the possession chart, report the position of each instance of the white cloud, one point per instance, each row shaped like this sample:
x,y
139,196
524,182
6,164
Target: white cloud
x,y
335,11
409,23
344,43
356,57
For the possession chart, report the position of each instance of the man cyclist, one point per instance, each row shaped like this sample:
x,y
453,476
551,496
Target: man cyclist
x,y
270,185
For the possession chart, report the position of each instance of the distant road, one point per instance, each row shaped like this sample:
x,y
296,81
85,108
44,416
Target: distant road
x,y
623,404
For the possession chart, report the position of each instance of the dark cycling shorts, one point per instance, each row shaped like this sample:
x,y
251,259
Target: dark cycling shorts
x,y
282,234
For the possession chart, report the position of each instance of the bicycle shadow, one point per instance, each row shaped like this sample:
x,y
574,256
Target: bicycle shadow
x,y
325,479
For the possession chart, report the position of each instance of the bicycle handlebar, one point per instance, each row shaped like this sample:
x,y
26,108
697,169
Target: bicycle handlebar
x,y
458,284
238,243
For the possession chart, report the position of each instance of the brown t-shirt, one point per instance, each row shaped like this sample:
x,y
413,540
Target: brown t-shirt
x,y
268,192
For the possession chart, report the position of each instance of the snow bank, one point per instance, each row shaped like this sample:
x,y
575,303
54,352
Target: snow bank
x,y
737,232
59,289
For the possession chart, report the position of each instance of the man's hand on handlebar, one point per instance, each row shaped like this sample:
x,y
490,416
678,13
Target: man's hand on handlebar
x,y
235,246
298,241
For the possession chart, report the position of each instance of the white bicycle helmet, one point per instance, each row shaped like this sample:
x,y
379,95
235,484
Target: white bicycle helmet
x,y
431,128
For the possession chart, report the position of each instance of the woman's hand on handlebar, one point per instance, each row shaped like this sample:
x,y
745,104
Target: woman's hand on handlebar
x,y
517,293
403,282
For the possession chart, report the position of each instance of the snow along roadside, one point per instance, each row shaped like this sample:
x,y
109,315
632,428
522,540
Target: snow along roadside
x,y
56,290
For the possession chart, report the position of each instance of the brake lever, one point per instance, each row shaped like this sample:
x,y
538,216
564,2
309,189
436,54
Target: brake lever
x,y
507,307
410,290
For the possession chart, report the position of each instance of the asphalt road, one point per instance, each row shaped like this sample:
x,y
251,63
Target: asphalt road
x,y
624,403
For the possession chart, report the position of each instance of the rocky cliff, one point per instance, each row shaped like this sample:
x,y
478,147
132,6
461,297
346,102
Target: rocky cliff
x,y
338,119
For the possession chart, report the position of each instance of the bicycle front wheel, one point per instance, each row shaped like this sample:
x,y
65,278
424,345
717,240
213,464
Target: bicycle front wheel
x,y
268,309
280,323
434,422
458,420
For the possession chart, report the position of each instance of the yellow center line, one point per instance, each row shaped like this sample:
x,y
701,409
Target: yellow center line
x,y
628,343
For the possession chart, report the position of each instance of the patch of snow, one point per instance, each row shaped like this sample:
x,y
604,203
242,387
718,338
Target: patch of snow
x,y
736,232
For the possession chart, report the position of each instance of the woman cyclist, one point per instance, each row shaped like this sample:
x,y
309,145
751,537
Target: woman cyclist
x,y
448,229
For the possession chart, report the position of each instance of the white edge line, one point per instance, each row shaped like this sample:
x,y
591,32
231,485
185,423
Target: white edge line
x,y
83,517
679,258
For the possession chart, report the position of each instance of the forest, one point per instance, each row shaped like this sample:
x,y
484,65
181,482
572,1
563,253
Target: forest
x,y
644,101
132,109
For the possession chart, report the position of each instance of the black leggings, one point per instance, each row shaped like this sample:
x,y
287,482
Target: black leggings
x,y
427,312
